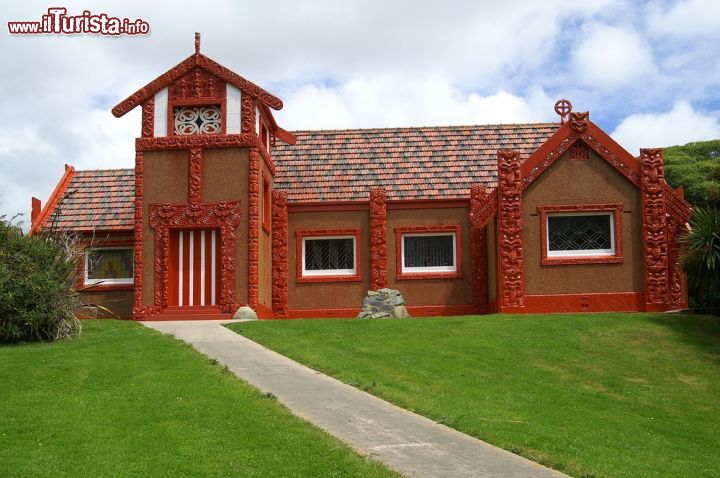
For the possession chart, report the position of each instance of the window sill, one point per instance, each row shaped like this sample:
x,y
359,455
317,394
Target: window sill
x,y
429,275
576,260
105,287
310,279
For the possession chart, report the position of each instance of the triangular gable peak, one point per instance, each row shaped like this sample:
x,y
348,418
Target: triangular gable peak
x,y
579,128
199,82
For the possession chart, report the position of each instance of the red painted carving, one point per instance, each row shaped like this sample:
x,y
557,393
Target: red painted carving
x,y
563,108
614,208
148,118
140,311
579,121
267,159
197,84
280,254
611,158
253,226
478,247
549,159
223,215
510,228
654,227
579,151
195,190
197,141
456,274
247,114
675,274
378,239
181,69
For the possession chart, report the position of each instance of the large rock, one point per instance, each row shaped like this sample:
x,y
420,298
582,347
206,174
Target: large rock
x,y
383,304
245,313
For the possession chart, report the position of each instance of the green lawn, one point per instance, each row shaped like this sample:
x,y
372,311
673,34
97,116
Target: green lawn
x,y
622,395
123,400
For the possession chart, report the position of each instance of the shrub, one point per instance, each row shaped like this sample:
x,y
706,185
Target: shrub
x,y
37,278
701,259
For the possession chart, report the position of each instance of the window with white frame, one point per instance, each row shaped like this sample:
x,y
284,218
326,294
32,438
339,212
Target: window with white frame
x,y
580,234
329,255
109,265
429,252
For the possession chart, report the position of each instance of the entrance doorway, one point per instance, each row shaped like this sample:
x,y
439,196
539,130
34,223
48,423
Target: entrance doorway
x,y
194,267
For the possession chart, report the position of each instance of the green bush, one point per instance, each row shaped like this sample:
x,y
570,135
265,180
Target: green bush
x,y
695,167
37,278
701,258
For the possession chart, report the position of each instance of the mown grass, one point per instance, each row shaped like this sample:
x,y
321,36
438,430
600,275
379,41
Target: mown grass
x,y
123,400
623,395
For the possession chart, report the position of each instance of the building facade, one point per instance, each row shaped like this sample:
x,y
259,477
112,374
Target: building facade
x,y
224,208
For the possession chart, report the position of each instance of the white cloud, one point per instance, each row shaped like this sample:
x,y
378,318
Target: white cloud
x,y
680,125
690,18
398,101
611,57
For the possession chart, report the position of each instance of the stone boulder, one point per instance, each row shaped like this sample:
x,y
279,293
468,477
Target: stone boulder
x,y
245,313
383,304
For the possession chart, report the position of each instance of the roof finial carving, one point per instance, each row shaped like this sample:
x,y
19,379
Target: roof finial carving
x,y
563,107
197,43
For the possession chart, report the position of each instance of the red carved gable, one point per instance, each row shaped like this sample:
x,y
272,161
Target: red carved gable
x,y
197,84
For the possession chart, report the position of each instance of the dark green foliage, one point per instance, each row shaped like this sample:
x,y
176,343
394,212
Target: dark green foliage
x,y
37,275
695,167
701,259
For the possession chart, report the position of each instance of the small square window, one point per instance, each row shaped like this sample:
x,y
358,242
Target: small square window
x,y
110,265
581,234
429,253
329,256
577,234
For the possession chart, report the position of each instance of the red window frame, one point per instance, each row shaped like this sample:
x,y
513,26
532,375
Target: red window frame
x,y
614,208
451,228
309,233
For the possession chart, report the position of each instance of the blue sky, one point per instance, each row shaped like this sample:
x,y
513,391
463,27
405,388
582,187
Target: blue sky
x,y
647,71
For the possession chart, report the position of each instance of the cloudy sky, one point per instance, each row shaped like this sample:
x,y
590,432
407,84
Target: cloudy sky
x,y
647,71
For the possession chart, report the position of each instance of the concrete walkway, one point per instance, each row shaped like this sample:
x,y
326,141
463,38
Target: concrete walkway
x,y
404,441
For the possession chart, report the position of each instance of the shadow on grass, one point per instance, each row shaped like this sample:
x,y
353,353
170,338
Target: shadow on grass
x,y
701,331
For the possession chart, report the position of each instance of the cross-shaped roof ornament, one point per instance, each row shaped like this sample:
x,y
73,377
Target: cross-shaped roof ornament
x,y
563,107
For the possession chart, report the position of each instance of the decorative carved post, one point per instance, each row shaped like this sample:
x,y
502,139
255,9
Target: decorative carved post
x,y
378,239
675,278
247,113
279,254
148,118
510,233
195,190
253,226
478,251
652,187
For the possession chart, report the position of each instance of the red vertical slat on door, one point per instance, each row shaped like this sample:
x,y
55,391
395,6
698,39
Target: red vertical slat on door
x,y
173,269
186,268
208,266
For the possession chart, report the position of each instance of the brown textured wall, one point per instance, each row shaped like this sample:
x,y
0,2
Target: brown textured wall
x,y
592,181
225,178
165,181
419,292
491,260
328,295
265,245
119,302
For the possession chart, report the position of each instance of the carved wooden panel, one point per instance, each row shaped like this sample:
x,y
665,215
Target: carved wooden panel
x,y
253,226
510,229
479,197
654,226
378,239
195,190
280,254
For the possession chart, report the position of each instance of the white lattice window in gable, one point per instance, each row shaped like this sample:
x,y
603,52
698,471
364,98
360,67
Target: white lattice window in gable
x,y
197,120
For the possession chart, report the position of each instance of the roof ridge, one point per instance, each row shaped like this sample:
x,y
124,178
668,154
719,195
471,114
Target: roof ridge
x,y
439,127
132,170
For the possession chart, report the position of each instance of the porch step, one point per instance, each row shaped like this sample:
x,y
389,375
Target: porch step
x,y
191,313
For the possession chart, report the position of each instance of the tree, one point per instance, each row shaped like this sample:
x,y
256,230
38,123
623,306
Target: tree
x,y
695,167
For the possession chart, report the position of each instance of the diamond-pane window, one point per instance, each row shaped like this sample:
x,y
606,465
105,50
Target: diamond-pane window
x,y
428,253
197,120
109,266
578,234
329,256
